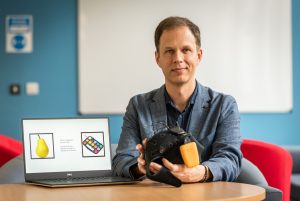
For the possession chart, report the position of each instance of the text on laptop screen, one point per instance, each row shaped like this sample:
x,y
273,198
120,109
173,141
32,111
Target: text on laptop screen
x,y
63,145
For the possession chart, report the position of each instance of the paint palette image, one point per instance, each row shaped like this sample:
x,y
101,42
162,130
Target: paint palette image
x,y
92,144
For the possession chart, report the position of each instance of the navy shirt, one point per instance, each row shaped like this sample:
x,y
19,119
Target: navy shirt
x,y
174,116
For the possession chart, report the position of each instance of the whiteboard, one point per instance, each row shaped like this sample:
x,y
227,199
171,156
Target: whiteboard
x,y
246,51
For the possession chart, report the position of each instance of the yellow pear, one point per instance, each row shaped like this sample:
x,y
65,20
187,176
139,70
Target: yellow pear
x,y
42,149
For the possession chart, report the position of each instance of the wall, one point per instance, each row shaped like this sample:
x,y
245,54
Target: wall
x,y
53,64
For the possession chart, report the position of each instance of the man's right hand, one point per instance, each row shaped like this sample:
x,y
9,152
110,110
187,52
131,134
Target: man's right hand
x,y
141,167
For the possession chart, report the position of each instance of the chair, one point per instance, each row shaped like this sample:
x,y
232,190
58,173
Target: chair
x,y
273,161
9,148
295,179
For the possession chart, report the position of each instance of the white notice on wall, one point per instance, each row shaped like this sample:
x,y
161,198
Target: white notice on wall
x,y
19,33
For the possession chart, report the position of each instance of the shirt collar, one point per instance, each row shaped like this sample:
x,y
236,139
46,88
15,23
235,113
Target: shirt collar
x,y
192,99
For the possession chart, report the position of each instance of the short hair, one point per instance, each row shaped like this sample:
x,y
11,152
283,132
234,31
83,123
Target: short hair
x,y
174,22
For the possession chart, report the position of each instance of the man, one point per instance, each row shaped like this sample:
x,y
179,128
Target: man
x,y
211,117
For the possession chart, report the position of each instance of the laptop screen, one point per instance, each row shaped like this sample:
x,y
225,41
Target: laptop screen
x,y
66,145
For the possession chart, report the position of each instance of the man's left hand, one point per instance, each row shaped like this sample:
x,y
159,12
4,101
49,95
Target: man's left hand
x,y
181,171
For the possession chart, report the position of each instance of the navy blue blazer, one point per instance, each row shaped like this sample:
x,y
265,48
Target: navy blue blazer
x,y
214,122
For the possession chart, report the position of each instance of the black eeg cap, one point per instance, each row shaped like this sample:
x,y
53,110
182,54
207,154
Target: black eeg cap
x,y
166,144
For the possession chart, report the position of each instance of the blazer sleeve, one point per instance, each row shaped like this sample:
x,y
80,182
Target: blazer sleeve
x,y
126,153
225,161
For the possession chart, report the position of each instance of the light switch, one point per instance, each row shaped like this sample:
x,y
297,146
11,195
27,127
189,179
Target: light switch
x,y
15,89
32,88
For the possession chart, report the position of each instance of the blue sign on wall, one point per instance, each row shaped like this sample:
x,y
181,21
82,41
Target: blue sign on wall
x,y
19,33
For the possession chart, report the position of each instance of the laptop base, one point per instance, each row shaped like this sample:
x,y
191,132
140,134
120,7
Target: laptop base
x,y
56,183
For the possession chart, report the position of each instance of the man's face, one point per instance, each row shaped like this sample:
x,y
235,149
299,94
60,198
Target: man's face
x,y
178,56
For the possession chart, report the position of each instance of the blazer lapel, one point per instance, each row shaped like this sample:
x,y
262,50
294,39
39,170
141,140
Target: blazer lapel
x,y
158,111
201,107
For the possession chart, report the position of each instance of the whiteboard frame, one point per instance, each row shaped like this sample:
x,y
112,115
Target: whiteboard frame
x,y
263,86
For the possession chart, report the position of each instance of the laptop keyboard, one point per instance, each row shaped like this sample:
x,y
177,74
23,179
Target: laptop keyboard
x,y
84,180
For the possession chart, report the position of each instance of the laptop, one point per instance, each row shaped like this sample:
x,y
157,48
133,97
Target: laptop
x,y
63,152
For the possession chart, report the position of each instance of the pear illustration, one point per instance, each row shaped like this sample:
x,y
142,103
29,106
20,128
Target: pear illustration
x,y
42,149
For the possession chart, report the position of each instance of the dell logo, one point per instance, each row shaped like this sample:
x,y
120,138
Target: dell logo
x,y
69,174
